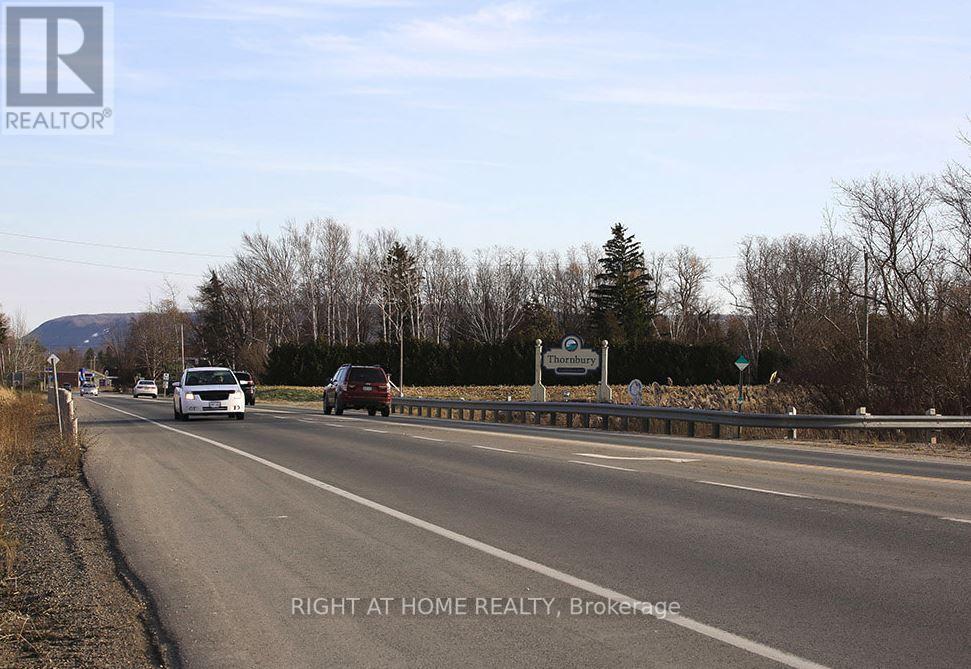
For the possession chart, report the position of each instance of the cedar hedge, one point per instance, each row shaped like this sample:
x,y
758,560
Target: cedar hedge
x,y
510,363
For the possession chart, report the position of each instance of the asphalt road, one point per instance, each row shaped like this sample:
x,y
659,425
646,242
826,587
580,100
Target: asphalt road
x,y
774,555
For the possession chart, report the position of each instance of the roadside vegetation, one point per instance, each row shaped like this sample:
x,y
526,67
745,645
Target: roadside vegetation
x,y
768,399
25,437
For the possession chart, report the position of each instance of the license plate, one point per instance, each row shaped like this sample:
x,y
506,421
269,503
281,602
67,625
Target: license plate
x,y
367,389
214,405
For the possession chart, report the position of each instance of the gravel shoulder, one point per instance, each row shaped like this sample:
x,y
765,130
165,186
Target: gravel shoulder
x,y
67,602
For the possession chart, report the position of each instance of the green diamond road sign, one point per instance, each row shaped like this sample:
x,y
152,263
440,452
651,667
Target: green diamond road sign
x,y
742,363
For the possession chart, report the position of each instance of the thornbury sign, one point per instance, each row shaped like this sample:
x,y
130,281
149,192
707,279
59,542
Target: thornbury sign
x,y
571,358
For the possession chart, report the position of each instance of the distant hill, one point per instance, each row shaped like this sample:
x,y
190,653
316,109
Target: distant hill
x,y
83,330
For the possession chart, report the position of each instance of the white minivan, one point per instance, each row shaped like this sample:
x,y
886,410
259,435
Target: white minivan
x,y
208,391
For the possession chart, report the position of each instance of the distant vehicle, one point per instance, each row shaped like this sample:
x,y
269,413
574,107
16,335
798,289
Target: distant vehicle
x,y
207,391
89,389
358,387
146,388
248,384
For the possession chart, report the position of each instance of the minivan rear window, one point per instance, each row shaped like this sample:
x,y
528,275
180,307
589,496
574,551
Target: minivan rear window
x,y
367,375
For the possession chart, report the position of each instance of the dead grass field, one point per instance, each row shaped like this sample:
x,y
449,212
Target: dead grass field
x,y
761,399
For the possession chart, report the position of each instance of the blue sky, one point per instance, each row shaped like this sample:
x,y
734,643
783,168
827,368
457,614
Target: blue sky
x,y
533,124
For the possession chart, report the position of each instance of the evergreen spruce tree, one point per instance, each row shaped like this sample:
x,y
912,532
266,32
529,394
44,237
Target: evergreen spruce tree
x,y
213,323
622,298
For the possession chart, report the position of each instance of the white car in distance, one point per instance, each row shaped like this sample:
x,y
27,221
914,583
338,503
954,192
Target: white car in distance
x,y
208,391
89,389
145,387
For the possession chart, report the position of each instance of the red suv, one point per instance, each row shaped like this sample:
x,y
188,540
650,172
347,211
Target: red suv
x,y
358,387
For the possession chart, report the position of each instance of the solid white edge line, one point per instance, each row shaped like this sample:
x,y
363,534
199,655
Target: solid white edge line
x,y
597,464
626,457
371,429
742,487
494,448
417,436
729,638
957,520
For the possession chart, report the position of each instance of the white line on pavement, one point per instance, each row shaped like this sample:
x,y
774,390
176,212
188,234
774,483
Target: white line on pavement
x,y
493,448
371,429
742,487
957,520
724,636
417,436
623,457
280,417
597,464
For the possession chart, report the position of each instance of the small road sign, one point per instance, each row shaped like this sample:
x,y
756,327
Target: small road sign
x,y
634,389
742,363
53,359
165,376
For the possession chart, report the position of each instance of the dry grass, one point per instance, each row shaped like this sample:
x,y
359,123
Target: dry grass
x,y
28,433
760,399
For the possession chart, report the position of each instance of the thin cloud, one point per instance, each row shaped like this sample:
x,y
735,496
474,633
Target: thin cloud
x,y
696,99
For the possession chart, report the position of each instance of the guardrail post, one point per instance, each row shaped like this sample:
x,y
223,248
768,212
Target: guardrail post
x,y
716,431
625,423
605,422
933,433
585,420
792,432
538,417
691,428
666,426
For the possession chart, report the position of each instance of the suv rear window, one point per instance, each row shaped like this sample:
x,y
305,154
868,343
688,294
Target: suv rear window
x,y
367,375
242,376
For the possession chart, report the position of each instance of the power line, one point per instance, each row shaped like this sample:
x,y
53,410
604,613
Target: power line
x,y
98,264
113,246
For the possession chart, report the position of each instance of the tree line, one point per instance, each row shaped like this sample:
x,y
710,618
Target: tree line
x,y
873,310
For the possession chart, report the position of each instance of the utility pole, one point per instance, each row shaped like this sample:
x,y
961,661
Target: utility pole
x,y
401,356
182,343
866,326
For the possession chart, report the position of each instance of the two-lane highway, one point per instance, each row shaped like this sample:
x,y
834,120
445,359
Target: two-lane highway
x,y
773,555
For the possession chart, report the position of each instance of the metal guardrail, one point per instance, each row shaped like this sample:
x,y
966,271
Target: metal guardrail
x,y
584,410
